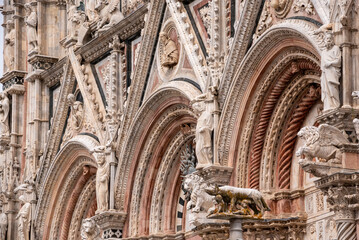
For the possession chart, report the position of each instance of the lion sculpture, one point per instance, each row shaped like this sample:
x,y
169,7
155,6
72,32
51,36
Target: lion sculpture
x,y
323,142
200,200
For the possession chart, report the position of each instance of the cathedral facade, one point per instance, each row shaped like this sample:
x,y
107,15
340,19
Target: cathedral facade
x,y
180,119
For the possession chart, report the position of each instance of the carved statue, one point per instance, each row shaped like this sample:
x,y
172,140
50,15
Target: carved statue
x,y
3,226
89,230
9,47
170,53
355,94
204,130
75,121
102,180
330,66
200,200
75,19
240,201
90,10
356,126
322,142
29,172
110,14
24,219
4,114
31,24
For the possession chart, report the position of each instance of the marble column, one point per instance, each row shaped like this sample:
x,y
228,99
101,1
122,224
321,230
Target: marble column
x,y
236,230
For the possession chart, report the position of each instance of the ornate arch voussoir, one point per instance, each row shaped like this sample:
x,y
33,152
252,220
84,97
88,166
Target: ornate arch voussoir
x,y
173,94
297,33
61,178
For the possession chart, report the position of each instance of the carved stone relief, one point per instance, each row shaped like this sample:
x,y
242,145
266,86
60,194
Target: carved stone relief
x,y
281,7
89,230
75,121
303,6
265,21
169,51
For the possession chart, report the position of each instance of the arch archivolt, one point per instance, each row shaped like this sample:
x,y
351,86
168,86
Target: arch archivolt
x,y
173,94
290,33
57,193
260,97
169,167
293,94
167,125
82,208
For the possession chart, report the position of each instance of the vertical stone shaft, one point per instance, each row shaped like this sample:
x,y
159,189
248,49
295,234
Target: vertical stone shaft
x,y
236,230
346,229
115,96
347,68
16,91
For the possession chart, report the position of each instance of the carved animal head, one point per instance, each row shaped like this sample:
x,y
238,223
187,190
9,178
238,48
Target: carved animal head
x,y
89,229
310,134
191,180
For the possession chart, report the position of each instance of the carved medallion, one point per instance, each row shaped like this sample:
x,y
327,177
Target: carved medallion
x,y
281,7
169,50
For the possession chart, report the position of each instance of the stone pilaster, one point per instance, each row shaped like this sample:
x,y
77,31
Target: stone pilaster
x,y
38,107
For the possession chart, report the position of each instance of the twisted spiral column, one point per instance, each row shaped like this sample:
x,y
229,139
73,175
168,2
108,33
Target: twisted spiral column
x,y
346,230
288,142
266,113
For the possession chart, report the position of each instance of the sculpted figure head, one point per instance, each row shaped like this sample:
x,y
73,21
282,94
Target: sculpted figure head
x,y
198,107
309,134
328,39
163,36
10,25
89,230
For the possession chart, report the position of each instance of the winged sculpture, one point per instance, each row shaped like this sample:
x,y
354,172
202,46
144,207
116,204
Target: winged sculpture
x,y
323,142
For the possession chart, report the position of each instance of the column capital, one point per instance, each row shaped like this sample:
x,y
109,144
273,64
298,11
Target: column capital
x,y
13,78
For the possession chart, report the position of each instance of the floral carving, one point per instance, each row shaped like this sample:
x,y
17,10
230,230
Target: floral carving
x,y
303,6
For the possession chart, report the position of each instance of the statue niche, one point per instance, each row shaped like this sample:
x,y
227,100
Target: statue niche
x,y
9,47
